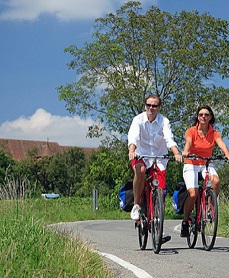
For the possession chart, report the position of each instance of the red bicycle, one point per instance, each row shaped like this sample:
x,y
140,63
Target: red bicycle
x,y
205,219
152,212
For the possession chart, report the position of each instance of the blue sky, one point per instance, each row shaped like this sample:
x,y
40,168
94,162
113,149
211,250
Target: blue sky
x,y
33,63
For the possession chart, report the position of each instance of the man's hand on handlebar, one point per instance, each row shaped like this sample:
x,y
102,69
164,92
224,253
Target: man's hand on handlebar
x,y
132,155
178,157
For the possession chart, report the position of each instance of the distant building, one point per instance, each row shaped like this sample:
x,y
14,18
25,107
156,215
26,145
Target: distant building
x,y
20,149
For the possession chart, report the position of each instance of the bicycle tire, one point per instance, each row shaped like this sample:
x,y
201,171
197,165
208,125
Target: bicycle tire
x,y
142,234
193,232
142,227
209,220
157,221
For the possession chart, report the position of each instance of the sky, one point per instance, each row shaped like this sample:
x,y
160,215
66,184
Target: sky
x,y
34,34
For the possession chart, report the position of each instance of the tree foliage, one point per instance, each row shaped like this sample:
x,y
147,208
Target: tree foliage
x,y
133,53
6,163
61,173
106,170
223,172
72,173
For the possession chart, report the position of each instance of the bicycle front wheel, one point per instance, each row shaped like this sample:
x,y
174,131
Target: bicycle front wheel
x,y
157,221
209,220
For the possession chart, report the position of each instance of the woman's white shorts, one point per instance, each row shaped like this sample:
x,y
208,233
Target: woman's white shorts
x,y
190,174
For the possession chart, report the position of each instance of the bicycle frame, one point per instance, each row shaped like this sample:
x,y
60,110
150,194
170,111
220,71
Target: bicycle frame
x,y
151,184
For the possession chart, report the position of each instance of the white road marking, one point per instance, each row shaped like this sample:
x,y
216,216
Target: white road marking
x,y
140,273
177,228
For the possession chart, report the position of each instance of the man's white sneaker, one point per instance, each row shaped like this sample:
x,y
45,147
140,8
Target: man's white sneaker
x,y
135,212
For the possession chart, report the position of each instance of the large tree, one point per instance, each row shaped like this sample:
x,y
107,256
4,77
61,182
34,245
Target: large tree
x,y
133,53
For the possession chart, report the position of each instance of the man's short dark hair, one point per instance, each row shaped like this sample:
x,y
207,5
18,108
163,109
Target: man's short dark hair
x,y
153,96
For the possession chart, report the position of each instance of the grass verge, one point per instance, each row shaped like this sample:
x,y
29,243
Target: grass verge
x,y
28,249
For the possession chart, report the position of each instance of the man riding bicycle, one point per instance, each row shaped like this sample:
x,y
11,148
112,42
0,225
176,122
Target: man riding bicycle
x,y
150,134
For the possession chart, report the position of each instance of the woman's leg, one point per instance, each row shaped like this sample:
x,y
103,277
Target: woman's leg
x,y
190,202
215,184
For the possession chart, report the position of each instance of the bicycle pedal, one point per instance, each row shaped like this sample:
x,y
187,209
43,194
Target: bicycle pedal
x,y
166,238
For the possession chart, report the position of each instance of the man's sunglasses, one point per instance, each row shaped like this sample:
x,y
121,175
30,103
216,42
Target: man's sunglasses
x,y
152,105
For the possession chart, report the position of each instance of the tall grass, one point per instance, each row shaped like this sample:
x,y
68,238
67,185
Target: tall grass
x,y
29,249
14,188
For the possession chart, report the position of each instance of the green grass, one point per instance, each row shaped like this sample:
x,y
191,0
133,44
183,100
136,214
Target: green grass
x,y
29,249
223,228
72,209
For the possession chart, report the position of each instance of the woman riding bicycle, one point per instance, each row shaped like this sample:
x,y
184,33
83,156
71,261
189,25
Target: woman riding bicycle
x,y
149,134
200,140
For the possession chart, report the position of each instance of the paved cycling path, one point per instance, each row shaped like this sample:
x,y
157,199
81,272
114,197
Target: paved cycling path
x,y
117,241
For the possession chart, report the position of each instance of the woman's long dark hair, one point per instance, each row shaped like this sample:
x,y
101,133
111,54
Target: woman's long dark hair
x,y
212,121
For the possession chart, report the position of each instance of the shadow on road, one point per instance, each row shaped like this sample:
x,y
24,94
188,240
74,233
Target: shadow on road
x,y
175,251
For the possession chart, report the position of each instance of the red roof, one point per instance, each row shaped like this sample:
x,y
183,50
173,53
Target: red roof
x,y
21,148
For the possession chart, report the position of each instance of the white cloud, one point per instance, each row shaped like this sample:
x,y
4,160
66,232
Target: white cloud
x,y
42,125
62,9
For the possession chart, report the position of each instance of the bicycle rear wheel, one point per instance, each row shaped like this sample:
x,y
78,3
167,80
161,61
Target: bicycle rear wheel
x,y
142,227
209,220
157,221
193,232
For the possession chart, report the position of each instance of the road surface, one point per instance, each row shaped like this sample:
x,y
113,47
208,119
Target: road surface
x,y
117,242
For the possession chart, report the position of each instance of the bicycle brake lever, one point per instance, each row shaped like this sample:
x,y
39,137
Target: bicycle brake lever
x,y
169,157
219,156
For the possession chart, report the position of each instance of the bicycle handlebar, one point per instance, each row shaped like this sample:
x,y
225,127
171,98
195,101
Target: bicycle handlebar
x,y
217,157
165,156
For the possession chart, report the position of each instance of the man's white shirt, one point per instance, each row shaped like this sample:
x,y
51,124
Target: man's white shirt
x,y
151,138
